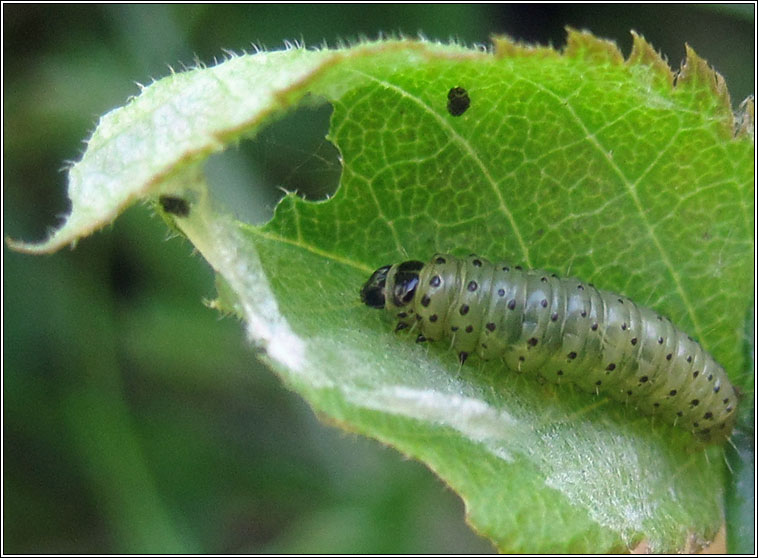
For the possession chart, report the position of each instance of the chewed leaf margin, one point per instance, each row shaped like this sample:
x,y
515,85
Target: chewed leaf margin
x,y
109,178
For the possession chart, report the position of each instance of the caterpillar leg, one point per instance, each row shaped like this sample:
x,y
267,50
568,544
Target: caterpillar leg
x,y
462,356
726,461
452,342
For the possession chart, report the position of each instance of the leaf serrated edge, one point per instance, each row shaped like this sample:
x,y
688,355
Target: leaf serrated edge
x,y
506,47
585,45
643,54
745,119
695,74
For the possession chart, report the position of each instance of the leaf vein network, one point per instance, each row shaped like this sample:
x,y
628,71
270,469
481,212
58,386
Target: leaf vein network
x,y
468,149
631,188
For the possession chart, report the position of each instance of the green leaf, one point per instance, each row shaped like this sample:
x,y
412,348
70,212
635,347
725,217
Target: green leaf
x,y
578,162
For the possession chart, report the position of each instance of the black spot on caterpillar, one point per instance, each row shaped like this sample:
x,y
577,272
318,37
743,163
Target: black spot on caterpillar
x,y
458,101
174,205
562,330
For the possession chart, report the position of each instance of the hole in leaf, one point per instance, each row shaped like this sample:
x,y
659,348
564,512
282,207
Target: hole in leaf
x,y
289,154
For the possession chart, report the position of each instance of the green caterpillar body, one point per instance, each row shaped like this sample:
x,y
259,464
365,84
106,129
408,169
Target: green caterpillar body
x,y
563,330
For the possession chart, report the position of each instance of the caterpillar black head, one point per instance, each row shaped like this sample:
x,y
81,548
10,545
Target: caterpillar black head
x,y
397,281
372,292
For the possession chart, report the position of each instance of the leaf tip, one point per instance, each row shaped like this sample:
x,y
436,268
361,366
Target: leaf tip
x,y
18,245
709,87
52,244
583,44
643,54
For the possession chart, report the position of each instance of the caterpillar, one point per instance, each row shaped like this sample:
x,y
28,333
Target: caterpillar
x,y
562,330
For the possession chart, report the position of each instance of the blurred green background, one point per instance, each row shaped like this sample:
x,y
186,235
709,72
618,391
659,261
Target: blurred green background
x,y
134,418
